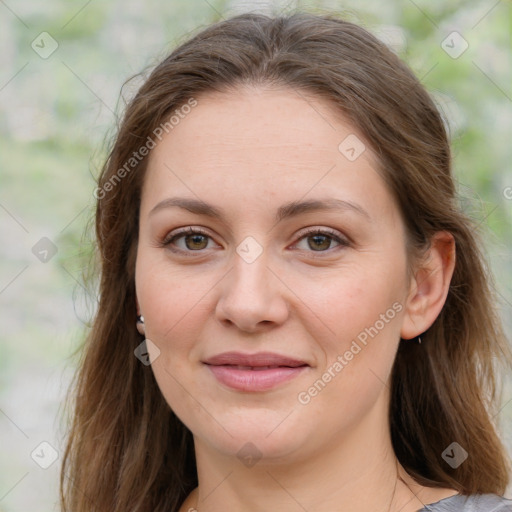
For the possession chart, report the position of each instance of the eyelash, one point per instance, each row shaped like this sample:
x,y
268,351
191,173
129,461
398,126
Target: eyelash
x,y
197,231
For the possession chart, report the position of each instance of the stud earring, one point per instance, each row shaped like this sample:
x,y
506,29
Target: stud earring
x,y
140,325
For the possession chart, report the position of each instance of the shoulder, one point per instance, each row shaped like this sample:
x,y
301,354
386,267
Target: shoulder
x,y
471,503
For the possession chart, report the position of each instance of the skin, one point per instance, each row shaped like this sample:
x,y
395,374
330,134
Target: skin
x,y
249,152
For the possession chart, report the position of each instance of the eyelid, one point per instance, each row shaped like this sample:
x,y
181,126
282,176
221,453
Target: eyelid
x,y
341,239
323,231
189,230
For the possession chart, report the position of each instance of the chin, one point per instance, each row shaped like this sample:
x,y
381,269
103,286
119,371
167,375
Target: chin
x,y
256,435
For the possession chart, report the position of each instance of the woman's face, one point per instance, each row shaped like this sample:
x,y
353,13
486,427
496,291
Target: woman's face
x,y
277,324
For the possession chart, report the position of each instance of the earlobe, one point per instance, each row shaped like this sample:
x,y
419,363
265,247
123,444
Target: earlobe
x,y
429,286
140,325
140,319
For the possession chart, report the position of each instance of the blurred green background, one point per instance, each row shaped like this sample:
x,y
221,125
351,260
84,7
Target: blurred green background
x,y
63,64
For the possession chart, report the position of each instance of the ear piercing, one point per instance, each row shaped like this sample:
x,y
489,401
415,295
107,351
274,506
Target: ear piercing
x,y
140,325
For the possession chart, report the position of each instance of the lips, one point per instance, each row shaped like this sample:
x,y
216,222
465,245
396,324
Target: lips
x,y
254,372
258,360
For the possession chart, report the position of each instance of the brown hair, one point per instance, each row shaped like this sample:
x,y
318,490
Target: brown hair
x,y
126,449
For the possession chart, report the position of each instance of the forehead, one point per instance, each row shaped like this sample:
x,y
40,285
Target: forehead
x,y
254,145
279,120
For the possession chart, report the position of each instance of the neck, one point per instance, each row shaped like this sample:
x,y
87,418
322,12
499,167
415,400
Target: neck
x,y
354,471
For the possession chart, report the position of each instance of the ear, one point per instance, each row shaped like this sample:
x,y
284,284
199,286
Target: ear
x,y
137,305
429,286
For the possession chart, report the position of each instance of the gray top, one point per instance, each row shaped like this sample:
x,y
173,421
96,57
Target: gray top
x,y
472,503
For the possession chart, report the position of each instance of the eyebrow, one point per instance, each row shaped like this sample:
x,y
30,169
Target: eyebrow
x,y
285,211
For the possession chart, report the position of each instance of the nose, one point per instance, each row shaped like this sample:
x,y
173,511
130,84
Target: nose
x,y
251,296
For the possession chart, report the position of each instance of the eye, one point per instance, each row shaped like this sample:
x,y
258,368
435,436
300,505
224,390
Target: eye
x,y
195,240
322,239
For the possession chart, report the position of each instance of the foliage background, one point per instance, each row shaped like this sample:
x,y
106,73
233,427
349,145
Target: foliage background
x,y
57,114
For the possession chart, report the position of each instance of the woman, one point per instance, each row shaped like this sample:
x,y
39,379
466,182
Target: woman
x,y
294,314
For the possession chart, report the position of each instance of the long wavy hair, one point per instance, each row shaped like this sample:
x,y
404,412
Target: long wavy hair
x,y
126,449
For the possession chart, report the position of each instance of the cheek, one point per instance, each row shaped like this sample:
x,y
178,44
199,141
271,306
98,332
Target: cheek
x,y
363,311
171,304
169,298
358,360
355,300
